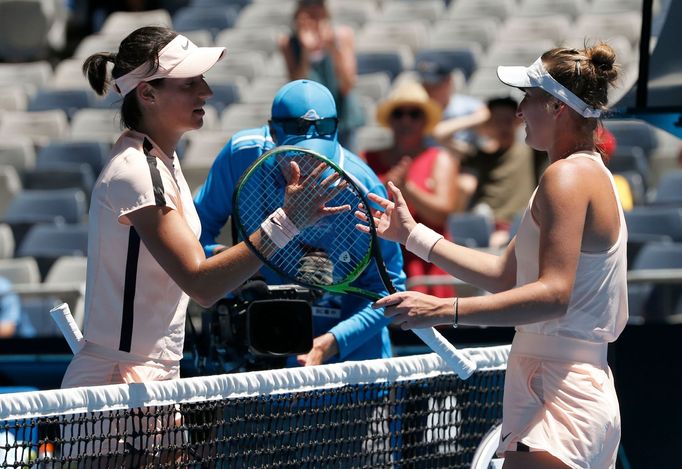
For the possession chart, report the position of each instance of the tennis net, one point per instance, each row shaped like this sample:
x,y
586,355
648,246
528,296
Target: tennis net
x,y
399,412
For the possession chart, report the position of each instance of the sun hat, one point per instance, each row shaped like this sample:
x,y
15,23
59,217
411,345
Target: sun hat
x,y
536,76
307,100
410,93
180,58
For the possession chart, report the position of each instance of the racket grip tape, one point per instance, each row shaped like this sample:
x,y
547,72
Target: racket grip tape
x,y
462,365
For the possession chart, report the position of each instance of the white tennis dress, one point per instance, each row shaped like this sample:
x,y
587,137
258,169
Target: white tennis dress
x,y
559,395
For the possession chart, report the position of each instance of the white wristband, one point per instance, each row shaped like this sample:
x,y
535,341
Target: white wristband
x,y
279,228
421,241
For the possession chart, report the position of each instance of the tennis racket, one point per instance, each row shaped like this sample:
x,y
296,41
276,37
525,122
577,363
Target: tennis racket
x,y
330,254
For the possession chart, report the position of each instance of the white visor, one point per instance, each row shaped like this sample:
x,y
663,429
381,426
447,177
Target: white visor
x,y
180,58
536,76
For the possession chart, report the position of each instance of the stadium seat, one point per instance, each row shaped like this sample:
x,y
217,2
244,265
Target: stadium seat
x,y
48,242
20,271
484,85
469,229
68,269
7,243
655,301
24,27
263,90
13,98
249,39
615,6
224,94
373,85
40,127
427,10
636,184
515,53
628,159
245,115
354,14
10,186
449,31
499,9
633,133
36,206
570,8
392,61
17,151
463,58
212,19
246,65
97,43
30,75
531,28
373,137
94,154
652,224
266,14
603,26
413,34
121,23
60,176
100,125
668,191
68,101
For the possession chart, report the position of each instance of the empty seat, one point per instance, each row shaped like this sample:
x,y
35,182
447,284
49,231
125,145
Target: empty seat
x,y
603,26
668,191
464,58
94,154
391,61
48,242
515,53
246,64
41,127
13,98
202,147
266,14
97,43
36,206
245,115
122,23
10,186
499,9
633,133
571,8
530,28
373,137
17,151
24,26
470,229
482,31
7,243
250,39
413,34
68,269
68,101
263,90
373,85
60,176
484,85
30,75
68,74
212,19
652,224
428,10
655,301
625,159
102,125
224,94
20,271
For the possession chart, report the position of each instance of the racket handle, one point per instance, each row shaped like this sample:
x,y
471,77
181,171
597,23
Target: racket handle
x,y
461,364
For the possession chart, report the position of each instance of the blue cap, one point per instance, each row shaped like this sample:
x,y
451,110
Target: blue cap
x,y
309,100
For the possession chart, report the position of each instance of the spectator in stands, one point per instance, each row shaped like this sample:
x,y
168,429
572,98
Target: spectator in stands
x,y
345,327
461,113
145,257
561,282
320,51
500,175
10,309
426,173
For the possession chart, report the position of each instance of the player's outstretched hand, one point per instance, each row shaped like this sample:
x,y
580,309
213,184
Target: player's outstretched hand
x,y
393,222
415,310
306,197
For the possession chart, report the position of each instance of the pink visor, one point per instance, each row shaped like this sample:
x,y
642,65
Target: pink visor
x,y
180,58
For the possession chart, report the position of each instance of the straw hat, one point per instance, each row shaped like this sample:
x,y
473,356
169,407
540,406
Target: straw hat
x,y
411,94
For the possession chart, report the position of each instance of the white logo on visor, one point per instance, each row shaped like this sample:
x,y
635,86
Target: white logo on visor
x,y
311,115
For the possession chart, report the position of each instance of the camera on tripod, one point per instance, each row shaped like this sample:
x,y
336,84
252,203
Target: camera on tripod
x,y
264,321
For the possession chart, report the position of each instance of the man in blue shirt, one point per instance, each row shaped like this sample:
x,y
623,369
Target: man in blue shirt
x,y
345,327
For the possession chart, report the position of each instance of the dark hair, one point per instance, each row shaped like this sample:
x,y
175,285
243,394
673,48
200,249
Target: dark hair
x,y
139,47
586,72
502,102
301,4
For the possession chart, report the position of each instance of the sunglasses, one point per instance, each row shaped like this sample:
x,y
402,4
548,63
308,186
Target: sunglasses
x,y
412,113
300,126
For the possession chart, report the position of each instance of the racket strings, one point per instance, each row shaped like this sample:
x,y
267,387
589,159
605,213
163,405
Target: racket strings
x,y
326,253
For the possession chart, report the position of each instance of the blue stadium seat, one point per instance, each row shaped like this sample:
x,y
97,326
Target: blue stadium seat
x,y
470,229
669,189
213,19
94,154
224,94
656,301
633,133
652,224
390,62
69,101
47,242
60,176
462,58
629,158
44,206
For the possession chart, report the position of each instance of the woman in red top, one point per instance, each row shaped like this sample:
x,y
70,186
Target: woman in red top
x,y
425,173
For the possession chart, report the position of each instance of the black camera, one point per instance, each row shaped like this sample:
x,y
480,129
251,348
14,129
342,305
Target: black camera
x,y
260,323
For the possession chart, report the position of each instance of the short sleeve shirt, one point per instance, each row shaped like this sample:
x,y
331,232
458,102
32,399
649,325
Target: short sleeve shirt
x,y
131,303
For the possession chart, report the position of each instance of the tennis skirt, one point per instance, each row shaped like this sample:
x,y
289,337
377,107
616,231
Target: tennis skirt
x,y
559,397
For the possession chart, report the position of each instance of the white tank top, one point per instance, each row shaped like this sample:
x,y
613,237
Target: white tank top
x,y
598,307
